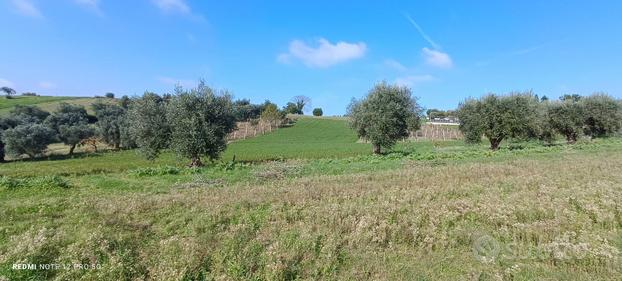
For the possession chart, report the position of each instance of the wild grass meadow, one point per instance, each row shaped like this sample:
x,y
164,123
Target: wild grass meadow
x,y
426,211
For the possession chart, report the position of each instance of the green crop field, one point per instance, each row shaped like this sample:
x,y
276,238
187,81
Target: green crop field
x,y
47,103
309,202
308,138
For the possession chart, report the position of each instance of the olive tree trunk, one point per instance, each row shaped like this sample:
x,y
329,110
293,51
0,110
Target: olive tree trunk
x,y
195,161
376,148
494,143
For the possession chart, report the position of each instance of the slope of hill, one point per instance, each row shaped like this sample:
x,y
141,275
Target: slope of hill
x,y
309,137
46,103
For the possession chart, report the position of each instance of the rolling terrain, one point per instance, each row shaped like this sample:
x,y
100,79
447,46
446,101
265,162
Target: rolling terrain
x,y
309,202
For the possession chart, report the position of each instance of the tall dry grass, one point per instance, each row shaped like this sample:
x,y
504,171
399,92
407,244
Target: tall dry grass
x,y
538,219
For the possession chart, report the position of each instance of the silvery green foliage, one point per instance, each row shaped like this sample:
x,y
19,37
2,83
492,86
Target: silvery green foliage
x,y
200,121
110,122
567,117
500,117
387,114
70,122
28,114
31,139
148,124
603,115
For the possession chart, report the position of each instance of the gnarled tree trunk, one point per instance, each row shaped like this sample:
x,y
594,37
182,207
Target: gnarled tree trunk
x,y
494,143
571,138
376,148
71,148
195,161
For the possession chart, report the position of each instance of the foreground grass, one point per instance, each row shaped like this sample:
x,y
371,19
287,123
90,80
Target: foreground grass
x,y
513,215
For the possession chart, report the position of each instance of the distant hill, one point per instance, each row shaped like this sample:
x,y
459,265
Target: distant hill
x,y
47,103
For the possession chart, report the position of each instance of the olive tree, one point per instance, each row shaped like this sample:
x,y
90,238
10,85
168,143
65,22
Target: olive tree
x,y
200,120
148,125
567,118
603,115
387,114
110,120
31,139
70,122
499,117
28,114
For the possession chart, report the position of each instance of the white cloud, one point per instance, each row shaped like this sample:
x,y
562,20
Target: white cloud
x,y
324,55
413,80
393,64
27,8
6,83
173,6
437,58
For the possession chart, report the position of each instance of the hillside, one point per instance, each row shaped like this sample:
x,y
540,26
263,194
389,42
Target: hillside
x,y
47,103
309,137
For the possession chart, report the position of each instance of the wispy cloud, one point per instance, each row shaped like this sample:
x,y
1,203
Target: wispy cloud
x,y
437,58
325,54
6,83
27,8
92,5
512,53
421,32
395,65
433,57
173,6
413,80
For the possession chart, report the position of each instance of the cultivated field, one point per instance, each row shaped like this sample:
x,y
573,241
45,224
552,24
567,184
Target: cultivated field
x,y
309,202
47,103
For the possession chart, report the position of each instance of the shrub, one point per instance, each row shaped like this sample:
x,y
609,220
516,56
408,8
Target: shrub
x,y
109,95
387,114
317,112
45,182
272,115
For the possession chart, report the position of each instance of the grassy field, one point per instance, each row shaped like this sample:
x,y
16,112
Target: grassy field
x,y
309,138
47,103
426,211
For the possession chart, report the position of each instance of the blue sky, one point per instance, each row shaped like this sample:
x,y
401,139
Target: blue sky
x,y
330,51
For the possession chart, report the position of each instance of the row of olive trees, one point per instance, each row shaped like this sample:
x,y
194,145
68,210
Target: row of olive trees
x,y
193,123
524,116
29,130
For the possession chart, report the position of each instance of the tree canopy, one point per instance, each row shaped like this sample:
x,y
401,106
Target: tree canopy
x,y
387,114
